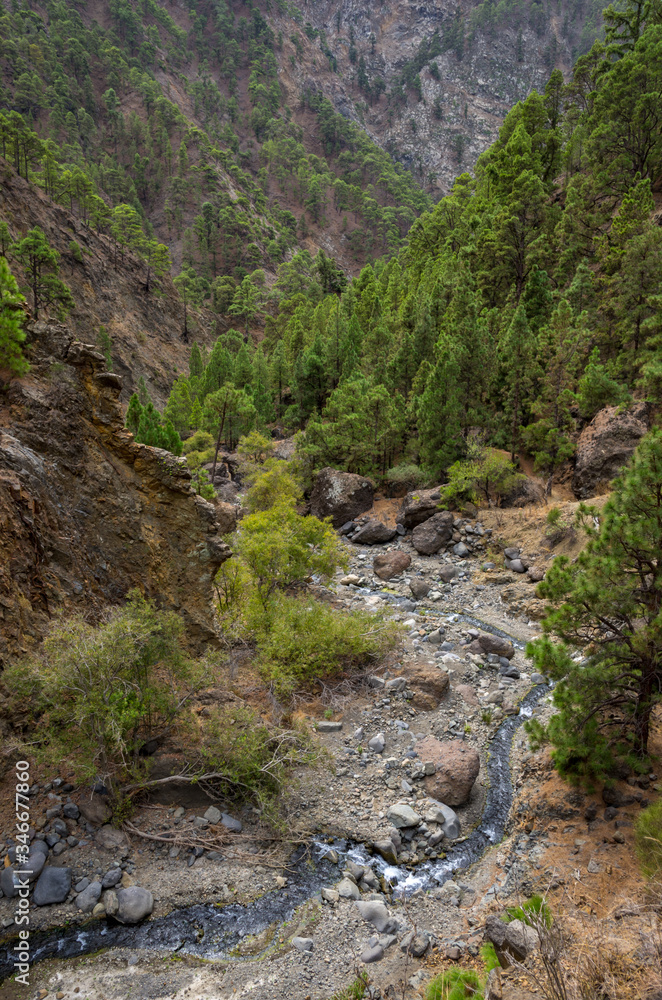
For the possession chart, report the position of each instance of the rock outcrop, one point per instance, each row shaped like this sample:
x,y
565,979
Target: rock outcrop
x,y
86,513
418,506
342,496
605,446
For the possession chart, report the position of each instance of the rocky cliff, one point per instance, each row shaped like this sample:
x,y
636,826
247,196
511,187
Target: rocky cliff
x,y
85,512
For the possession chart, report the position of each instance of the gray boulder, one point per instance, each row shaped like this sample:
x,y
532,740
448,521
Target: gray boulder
x,y
302,943
375,913
431,535
342,496
374,533
418,506
386,849
53,886
111,878
419,588
606,445
347,889
374,954
111,839
88,898
134,904
402,816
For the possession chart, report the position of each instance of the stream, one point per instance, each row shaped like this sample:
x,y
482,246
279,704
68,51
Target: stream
x,y
212,932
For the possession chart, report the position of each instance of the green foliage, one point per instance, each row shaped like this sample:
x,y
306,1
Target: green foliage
x,y
606,617
357,990
281,547
648,840
40,263
486,475
455,984
533,910
272,485
11,322
301,640
98,693
148,427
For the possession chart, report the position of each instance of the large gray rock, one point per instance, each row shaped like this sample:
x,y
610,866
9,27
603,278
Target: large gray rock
x,y
134,904
487,643
440,813
34,864
375,913
418,506
95,810
110,838
347,889
342,496
53,886
7,881
401,816
89,897
456,768
386,565
434,533
374,533
605,446
387,850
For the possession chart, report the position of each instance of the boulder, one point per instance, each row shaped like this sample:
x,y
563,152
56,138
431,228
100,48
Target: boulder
x,y
387,850
374,954
347,889
374,533
402,816
419,588
486,643
89,897
418,506
53,886
34,865
303,943
456,768
386,565
433,533
374,912
110,838
111,878
95,810
134,904
429,685
535,574
7,881
447,573
605,446
445,816
342,496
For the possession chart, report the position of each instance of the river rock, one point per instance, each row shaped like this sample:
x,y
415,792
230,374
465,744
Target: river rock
x,y
213,815
415,943
231,823
429,685
135,904
303,943
53,886
347,889
377,743
342,496
520,941
34,865
95,810
440,813
110,903
606,445
39,845
456,768
486,644
516,565
419,506
375,913
330,895
431,535
386,565
328,726
447,573
111,878
89,897
419,588
374,954
70,810
110,838
535,574
373,533
386,849
461,550
402,816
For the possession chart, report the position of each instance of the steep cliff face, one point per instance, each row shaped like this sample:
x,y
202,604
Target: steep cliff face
x,y
85,512
491,58
145,329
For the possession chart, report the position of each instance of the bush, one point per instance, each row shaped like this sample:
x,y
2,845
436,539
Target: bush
x,y
249,758
301,640
201,442
99,693
280,547
532,912
272,483
455,984
486,474
406,474
648,840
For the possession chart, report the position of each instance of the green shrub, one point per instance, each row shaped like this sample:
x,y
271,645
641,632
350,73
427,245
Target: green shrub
x,y
252,758
272,483
648,840
201,442
301,640
98,693
486,474
406,473
536,907
455,984
356,991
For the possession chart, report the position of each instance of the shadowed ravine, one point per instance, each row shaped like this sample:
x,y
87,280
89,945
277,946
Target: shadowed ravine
x,y
213,932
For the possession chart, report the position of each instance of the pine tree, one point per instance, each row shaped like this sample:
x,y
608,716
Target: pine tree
x,y
279,375
260,388
134,414
195,361
607,607
41,264
143,392
11,322
597,388
242,374
517,353
219,368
